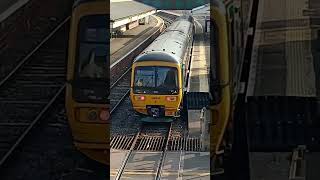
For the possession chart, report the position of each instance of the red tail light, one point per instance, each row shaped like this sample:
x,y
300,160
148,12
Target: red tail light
x,y
104,115
140,98
171,98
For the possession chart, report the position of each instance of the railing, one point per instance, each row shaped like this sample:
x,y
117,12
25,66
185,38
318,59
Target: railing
x,y
298,164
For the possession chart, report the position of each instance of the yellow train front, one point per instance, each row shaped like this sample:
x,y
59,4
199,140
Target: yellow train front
x,y
87,78
159,73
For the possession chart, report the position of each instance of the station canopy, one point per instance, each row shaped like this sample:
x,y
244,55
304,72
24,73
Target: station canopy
x,y
122,9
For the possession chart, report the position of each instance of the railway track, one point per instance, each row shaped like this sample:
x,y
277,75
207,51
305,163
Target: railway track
x,y
119,99
35,138
26,28
130,134
119,90
30,90
148,138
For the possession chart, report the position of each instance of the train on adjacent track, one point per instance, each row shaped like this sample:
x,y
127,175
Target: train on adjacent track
x,y
227,50
87,90
160,73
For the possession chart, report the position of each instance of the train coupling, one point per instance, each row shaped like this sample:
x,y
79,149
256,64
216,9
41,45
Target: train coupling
x,y
156,111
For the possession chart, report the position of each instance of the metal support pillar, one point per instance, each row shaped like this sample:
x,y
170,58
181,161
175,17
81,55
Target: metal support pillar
x,y
204,123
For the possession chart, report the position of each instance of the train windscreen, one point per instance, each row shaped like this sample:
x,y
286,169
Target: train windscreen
x,y
155,80
91,77
92,47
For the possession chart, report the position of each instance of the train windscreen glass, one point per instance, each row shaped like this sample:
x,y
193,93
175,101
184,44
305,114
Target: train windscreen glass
x,y
91,76
92,47
156,80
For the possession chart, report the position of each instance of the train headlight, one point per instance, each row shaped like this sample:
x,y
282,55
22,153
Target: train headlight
x,y
171,98
92,115
104,115
139,98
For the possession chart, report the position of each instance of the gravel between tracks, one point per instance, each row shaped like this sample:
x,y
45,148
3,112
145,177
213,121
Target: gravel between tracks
x,y
124,120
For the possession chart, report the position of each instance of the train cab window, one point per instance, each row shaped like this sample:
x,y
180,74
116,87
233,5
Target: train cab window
x,y
92,47
144,77
167,78
91,79
155,80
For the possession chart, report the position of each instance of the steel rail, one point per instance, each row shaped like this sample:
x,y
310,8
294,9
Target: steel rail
x,y
126,93
126,159
30,127
163,154
120,101
26,58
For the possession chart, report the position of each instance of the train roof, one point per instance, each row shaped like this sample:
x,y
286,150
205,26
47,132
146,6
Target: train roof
x,y
170,46
157,55
185,17
181,25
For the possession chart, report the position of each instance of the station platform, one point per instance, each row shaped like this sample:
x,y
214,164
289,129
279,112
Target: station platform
x,y
200,61
270,166
186,165
282,92
132,38
8,7
285,52
177,164
276,165
198,85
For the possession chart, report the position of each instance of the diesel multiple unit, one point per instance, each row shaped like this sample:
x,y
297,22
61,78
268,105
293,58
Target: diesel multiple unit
x,y
159,73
